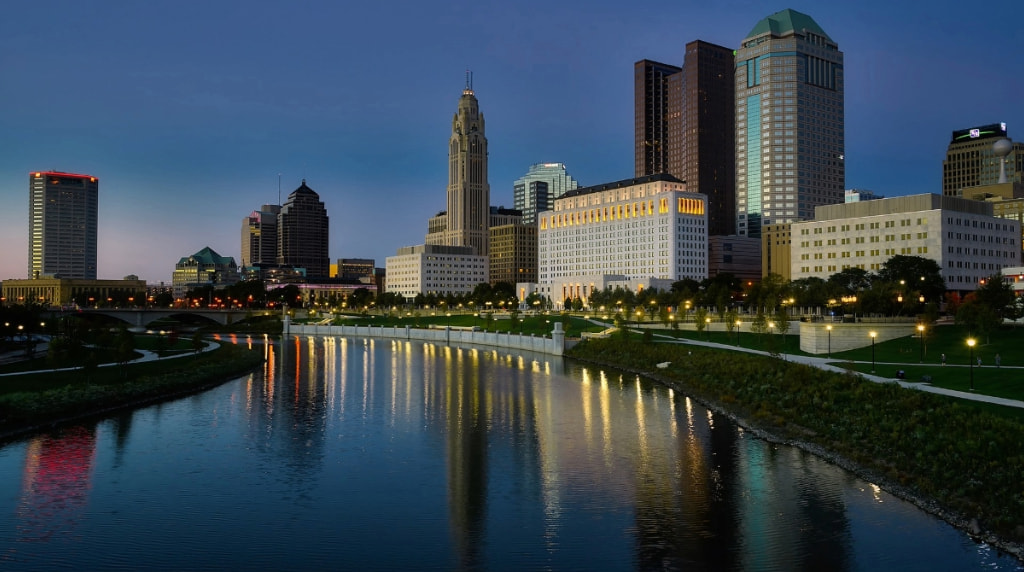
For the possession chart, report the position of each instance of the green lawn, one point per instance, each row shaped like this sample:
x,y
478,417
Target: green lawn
x,y
537,325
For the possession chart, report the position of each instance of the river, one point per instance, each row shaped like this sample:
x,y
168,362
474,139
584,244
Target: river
x,y
353,454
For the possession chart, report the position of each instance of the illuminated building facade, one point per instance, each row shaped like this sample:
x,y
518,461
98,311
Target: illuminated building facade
x,y
961,235
62,220
971,161
513,257
204,268
636,229
302,233
789,122
536,191
435,268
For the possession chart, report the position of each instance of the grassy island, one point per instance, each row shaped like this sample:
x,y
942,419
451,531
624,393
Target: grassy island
x,y
963,463
46,397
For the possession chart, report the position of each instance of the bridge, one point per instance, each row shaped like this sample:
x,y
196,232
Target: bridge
x,y
142,317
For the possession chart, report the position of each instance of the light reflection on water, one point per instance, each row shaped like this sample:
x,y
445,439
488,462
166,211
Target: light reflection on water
x,y
383,454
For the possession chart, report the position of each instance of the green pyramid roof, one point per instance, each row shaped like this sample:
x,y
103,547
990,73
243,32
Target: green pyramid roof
x,y
785,22
209,257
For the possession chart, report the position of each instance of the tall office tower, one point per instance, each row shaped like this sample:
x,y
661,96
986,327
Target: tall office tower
x,y
971,161
706,155
656,104
62,224
537,190
259,236
302,230
469,194
789,122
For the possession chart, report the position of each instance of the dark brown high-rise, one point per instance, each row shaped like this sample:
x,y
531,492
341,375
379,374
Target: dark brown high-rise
x,y
302,231
653,103
685,126
708,163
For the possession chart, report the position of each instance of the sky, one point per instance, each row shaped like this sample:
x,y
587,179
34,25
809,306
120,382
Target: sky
x,y
190,113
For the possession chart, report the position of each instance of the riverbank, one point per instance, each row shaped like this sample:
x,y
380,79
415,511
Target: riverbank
x,y
46,399
958,464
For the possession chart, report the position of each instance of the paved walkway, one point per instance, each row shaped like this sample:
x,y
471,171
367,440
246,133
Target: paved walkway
x,y
826,364
146,356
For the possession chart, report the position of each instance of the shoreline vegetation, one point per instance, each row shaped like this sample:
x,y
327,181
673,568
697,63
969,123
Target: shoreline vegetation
x,y
960,464
36,402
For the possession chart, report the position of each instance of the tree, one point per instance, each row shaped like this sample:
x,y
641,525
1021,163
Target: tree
x,y
851,280
995,294
125,349
700,317
914,274
782,325
197,341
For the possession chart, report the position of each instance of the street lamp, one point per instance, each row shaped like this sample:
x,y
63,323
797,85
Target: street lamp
x,y
920,334
707,331
873,335
970,344
829,329
738,333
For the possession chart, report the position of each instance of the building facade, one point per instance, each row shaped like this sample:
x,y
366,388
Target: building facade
x,y
469,193
435,268
513,257
650,227
204,268
657,111
971,161
535,191
259,236
961,235
62,225
776,250
736,255
302,233
789,122
64,292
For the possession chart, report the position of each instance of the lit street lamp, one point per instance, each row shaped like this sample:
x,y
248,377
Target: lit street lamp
x,y
738,333
970,344
707,331
873,334
920,334
829,329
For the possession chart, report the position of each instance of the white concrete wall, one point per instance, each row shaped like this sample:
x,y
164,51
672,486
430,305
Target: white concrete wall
x,y
554,345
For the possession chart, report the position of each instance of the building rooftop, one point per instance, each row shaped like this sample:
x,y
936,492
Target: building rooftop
x,y
786,22
621,184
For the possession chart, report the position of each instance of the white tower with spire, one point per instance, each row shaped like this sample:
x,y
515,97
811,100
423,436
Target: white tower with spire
x,y
469,193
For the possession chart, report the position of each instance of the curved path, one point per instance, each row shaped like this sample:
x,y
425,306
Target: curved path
x,y
827,364
147,355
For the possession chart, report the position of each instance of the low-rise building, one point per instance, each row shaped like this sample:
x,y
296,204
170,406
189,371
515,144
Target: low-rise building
x,y
736,255
434,268
63,292
204,268
961,235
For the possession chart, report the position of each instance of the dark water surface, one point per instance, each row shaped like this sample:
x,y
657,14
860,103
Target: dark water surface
x,y
359,454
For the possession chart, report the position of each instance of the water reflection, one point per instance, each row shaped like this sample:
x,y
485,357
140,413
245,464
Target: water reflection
x,y
392,454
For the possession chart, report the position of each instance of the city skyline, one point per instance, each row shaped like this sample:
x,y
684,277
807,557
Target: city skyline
x,y
189,114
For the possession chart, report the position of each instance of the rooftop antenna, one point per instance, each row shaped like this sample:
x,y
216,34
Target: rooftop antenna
x,y
469,81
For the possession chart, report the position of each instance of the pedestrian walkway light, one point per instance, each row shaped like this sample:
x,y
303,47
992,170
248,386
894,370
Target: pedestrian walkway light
x,y
920,334
970,344
829,329
873,335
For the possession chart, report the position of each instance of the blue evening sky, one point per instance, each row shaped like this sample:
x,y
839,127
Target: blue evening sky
x,y
187,111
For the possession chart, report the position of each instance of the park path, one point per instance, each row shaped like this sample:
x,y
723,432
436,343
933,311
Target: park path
x,y
147,355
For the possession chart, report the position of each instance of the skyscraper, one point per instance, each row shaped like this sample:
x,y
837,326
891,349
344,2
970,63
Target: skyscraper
x,y
259,236
62,214
789,122
971,161
706,156
302,233
685,126
537,190
469,193
656,103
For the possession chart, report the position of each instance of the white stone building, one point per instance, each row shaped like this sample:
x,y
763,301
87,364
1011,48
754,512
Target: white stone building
x,y
434,268
647,231
961,235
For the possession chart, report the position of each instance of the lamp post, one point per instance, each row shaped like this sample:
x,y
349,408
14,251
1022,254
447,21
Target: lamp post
x,y
738,333
829,329
920,334
970,344
873,335
707,330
